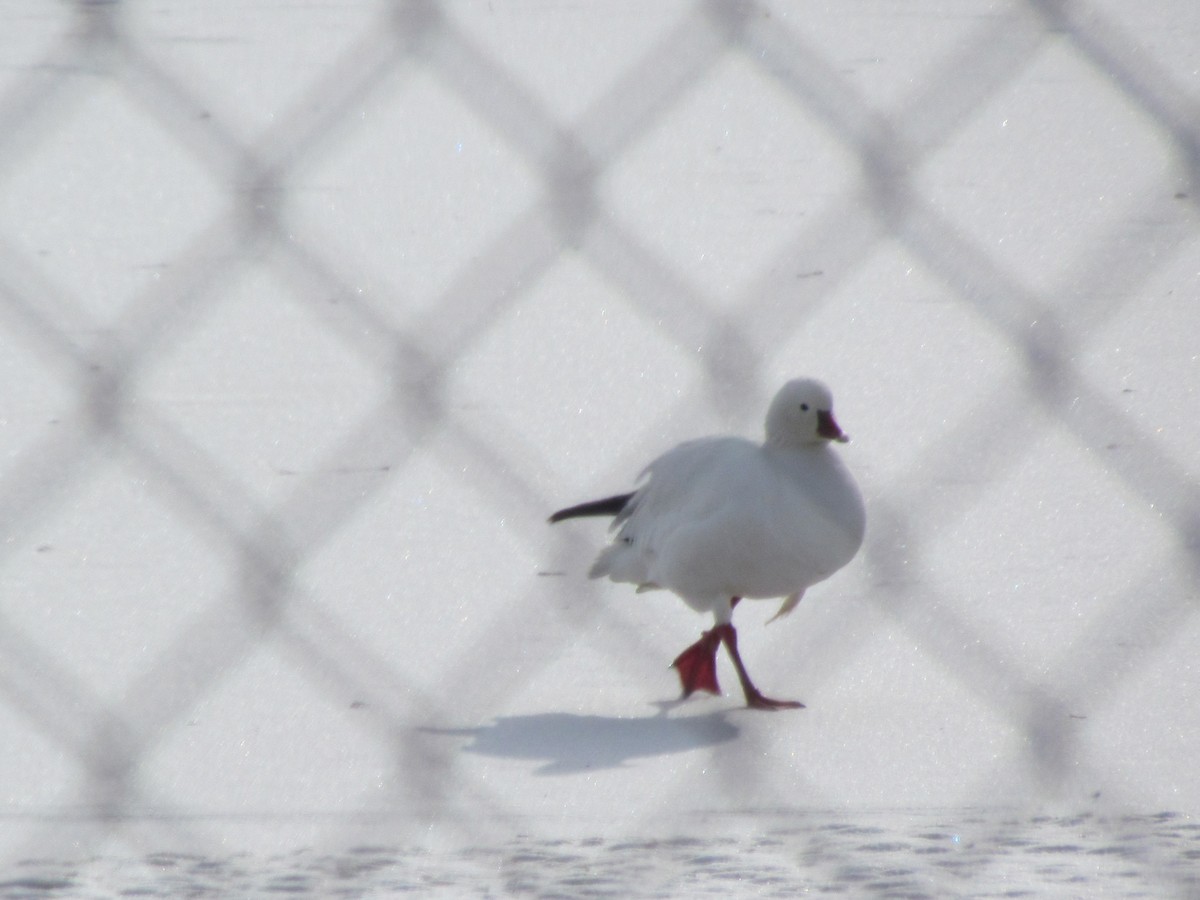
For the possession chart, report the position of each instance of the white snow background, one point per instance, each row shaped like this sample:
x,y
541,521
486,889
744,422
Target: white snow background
x,y
311,313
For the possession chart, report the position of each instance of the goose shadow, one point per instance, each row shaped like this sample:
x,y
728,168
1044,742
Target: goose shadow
x,y
567,743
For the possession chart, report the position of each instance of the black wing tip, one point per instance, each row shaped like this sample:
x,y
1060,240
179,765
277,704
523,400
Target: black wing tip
x,y
609,506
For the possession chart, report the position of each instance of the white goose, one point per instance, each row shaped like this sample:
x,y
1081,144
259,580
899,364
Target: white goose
x,y
720,519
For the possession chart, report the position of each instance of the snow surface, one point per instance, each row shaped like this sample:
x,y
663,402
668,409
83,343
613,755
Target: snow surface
x,y
311,313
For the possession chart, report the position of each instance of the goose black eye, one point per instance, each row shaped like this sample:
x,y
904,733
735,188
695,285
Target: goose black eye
x,y
803,407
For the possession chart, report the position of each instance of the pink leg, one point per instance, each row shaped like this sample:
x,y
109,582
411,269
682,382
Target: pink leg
x,y
697,665
754,697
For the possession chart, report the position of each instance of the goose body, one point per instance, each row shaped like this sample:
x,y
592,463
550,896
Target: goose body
x,y
721,519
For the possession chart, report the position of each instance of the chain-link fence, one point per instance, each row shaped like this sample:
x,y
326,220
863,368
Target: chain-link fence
x,y
311,314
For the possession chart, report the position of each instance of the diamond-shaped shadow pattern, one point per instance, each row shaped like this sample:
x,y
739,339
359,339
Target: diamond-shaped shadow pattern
x,y
410,248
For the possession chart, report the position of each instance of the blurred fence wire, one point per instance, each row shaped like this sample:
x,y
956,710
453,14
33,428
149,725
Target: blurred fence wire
x,y
95,344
